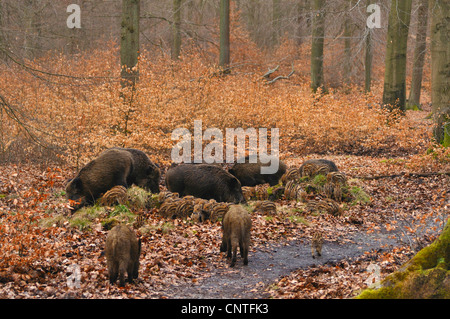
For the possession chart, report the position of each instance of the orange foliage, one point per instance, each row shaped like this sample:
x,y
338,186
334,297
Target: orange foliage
x,y
82,113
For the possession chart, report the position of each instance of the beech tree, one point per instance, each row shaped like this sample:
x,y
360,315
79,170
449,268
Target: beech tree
x,y
394,93
129,41
224,55
318,34
419,55
440,69
176,42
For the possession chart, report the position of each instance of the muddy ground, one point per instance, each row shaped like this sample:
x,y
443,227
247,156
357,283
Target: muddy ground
x,y
269,264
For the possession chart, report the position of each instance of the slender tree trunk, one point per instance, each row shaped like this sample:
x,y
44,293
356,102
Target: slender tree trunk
x,y
299,23
440,69
368,55
394,93
276,21
368,60
129,42
419,55
347,44
318,34
224,43
176,43
252,18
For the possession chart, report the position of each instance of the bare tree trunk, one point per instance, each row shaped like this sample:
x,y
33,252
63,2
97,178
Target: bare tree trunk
x,y
176,42
368,60
318,34
440,69
224,43
368,56
347,44
276,21
419,56
394,93
129,42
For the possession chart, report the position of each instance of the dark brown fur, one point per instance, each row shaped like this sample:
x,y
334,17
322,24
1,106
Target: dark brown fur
x,y
249,174
122,254
313,167
113,167
109,169
145,173
236,227
204,181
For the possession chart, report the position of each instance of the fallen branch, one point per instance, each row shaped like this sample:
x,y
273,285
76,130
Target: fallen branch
x,y
281,77
268,73
402,174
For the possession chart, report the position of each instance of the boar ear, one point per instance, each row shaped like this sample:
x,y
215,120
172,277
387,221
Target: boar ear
x,y
152,168
234,182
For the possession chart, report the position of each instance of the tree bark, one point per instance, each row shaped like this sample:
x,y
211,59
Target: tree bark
x,y
394,93
176,42
347,44
419,56
368,56
224,42
440,69
368,61
318,34
129,42
276,21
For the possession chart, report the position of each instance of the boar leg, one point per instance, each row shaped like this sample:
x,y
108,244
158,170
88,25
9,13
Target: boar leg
x,y
234,245
122,270
245,253
112,272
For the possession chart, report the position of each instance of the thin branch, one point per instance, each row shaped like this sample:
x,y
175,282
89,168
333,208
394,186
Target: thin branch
x,y
402,174
268,73
13,114
281,77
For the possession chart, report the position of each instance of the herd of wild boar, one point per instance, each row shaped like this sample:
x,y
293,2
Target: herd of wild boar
x,y
199,191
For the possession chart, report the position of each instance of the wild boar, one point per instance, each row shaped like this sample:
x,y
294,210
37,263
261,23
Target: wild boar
x,y
113,167
204,181
314,167
249,174
236,227
145,173
122,254
116,195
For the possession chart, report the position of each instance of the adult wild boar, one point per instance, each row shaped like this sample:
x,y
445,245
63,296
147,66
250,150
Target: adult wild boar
x,y
236,227
204,181
249,174
145,173
113,167
122,254
314,167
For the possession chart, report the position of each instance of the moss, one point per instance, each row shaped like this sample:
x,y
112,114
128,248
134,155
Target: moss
x,y
358,195
426,275
80,223
139,198
319,180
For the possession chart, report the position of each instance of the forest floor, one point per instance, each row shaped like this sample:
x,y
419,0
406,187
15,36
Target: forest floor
x,y
181,259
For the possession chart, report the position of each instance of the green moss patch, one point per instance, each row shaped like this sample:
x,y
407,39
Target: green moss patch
x,y
425,276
